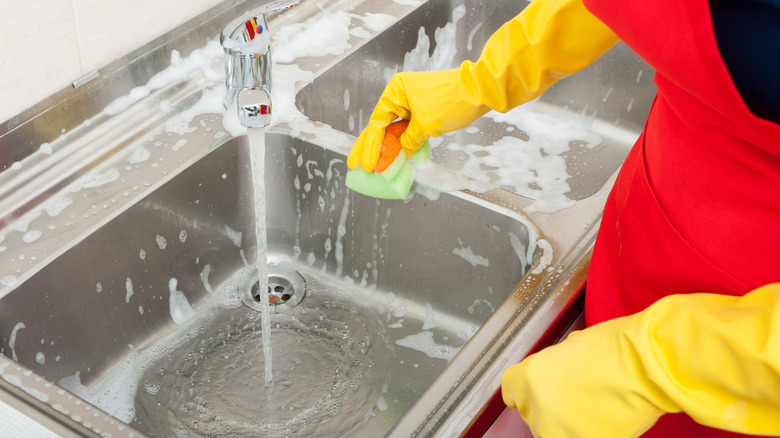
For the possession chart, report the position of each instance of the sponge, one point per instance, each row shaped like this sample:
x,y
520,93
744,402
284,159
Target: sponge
x,y
392,175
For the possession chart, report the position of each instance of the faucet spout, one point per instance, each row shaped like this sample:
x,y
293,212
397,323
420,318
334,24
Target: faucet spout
x,y
254,107
247,45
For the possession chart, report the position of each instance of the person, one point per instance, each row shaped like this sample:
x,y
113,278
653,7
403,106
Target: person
x,y
682,299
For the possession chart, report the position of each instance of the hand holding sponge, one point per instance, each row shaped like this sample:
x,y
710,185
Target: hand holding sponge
x,y
391,177
547,41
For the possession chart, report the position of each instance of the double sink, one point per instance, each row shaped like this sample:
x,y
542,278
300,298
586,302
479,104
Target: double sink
x,y
128,234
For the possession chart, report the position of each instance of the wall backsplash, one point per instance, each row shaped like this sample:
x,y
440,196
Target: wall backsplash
x,y
45,45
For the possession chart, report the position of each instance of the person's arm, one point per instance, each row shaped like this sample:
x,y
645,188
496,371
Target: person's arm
x,y
547,41
714,357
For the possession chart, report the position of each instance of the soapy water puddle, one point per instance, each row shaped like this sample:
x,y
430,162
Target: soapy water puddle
x,y
327,368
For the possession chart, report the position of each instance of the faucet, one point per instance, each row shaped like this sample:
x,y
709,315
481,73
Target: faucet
x,y
247,45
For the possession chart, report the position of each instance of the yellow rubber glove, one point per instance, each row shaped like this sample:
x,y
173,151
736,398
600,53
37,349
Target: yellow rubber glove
x,y
547,41
714,357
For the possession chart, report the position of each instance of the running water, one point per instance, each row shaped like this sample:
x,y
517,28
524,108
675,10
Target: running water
x,y
257,159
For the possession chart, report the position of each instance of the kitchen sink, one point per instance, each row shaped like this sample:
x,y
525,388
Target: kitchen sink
x,y
144,317
128,276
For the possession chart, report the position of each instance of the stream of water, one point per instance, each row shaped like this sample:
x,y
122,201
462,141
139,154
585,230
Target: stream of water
x,y
257,158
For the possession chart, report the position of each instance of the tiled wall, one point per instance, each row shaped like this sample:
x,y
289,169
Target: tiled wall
x,y
47,44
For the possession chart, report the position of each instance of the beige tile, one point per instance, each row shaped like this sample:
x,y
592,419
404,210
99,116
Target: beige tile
x,y
110,29
39,52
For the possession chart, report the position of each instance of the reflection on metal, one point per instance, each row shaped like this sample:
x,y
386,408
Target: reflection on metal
x,y
247,44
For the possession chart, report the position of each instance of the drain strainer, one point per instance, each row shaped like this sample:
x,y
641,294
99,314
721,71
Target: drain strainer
x,y
286,288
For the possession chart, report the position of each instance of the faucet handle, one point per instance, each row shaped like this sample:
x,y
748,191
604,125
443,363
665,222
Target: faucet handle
x,y
242,31
247,45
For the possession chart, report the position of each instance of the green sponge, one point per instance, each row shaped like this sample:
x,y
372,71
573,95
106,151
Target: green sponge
x,y
395,182
421,155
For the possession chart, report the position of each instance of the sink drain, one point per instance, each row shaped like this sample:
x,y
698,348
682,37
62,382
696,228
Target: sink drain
x,y
286,288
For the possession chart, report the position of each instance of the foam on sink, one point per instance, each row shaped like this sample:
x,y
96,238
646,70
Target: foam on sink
x,y
429,321
234,236
116,396
31,236
128,289
12,340
470,41
22,224
444,55
55,205
467,254
180,308
524,254
327,34
424,343
376,22
93,180
139,155
479,301
180,68
204,278
545,258
162,242
341,231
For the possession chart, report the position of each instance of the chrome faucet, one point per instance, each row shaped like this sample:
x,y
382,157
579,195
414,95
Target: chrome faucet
x,y
247,44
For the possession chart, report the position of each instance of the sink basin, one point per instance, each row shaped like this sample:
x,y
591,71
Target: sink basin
x,y
564,146
144,319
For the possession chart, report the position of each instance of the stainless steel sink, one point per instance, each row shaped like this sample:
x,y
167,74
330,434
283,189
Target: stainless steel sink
x,y
378,318
127,242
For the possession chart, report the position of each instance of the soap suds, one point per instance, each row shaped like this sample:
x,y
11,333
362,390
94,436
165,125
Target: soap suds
x,y
204,278
520,249
31,236
467,254
95,180
56,204
12,340
234,236
326,34
424,343
479,301
139,155
181,310
545,258
128,289
429,321
162,242
17,381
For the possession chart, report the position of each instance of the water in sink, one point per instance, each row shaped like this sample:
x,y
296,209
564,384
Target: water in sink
x,y
206,378
210,381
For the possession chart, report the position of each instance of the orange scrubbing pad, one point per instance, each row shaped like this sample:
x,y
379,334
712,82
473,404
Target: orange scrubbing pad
x,y
391,146
392,174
